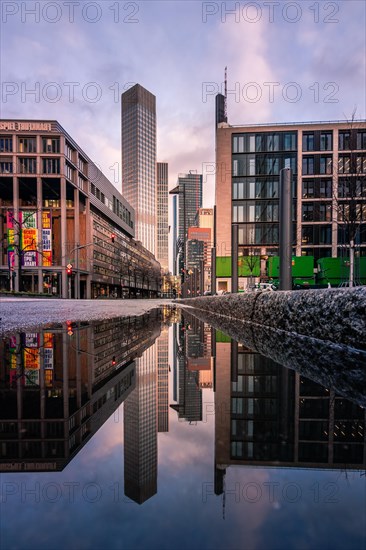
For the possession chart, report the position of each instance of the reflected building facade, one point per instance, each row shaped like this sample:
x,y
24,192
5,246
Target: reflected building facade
x,y
268,415
59,386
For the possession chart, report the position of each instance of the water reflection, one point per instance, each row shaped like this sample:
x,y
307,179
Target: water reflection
x,y
60,385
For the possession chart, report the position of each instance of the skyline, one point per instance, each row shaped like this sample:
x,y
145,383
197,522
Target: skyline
x,y
182,63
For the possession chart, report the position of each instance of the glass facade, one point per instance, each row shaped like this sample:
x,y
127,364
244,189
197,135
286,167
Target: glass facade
x,y
139,160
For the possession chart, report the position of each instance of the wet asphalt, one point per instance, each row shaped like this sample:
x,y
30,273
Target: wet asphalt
x,y
24,313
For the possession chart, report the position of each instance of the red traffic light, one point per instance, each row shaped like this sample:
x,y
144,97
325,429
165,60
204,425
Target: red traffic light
x,y
113,360
113,236
70,332
69,269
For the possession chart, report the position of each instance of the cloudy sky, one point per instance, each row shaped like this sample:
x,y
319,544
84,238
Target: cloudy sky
x,y
287,61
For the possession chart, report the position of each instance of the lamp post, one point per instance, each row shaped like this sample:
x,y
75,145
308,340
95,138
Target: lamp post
x,y
77,285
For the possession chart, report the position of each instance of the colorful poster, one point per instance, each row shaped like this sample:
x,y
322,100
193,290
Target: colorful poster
x,y
31,358
29,239
48,377
48,358
46,239
10,219
47,258
31,340
48,340
28,219
29,259
31,377
46,219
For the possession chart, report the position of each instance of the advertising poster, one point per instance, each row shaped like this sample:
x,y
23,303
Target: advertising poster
x,y
31,340
48,377
47,340
47,238
46,219
31,359
48,358
31,377
28,219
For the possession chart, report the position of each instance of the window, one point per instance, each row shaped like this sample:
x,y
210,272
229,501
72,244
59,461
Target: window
x,y
308,142
289,141
307,189
69,172
27,165
50,145
361,164
27,145
326,165
6,166
344,141
326,141
308,165
344,164
308,212
325,188
6,144
51,165
361,139
69,152
273,142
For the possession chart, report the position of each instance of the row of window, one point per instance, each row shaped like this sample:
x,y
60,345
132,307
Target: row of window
x,y
28,165
277,141
287,141
29,144
251,165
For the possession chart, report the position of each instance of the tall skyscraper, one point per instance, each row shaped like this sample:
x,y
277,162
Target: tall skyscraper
x,y
139,160
189,189
162,227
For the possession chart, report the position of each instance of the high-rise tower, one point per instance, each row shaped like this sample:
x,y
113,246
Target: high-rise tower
x,y
139,160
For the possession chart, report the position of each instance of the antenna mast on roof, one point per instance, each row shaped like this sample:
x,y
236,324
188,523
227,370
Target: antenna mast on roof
x,y
225,94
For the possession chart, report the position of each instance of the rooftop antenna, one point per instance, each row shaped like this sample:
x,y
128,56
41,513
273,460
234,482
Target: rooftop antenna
x,y
225,94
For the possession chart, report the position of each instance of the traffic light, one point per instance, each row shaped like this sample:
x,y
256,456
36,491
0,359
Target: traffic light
x,y
113,360
69,269
113,237
70,332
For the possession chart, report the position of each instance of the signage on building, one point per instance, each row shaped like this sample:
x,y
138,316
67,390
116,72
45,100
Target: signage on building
x,y
17,126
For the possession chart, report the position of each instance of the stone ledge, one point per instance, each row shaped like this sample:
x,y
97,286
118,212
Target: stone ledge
x,y
337,315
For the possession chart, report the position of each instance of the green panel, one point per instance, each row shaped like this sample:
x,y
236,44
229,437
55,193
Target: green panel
x,y
333,268
249,266
246,264
302,266
336,270
222,337
223,266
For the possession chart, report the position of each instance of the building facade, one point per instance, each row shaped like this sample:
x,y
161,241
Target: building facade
x,y
65,230
328,163
139,161
162,226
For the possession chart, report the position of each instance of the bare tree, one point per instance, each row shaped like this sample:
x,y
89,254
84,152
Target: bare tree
x,y
350,197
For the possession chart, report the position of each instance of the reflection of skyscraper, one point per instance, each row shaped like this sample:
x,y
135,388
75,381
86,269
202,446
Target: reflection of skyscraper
x,y
162,345
189,347
140,431
139,160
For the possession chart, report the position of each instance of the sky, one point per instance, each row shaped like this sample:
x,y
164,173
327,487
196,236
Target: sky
x,y
286,61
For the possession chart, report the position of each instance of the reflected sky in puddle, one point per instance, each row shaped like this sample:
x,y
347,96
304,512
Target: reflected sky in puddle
x,y
161,432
